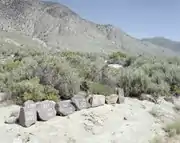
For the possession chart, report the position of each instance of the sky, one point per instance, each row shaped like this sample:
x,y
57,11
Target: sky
x,y
139,18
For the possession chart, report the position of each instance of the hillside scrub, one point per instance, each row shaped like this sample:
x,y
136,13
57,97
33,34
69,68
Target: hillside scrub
x,y
31,73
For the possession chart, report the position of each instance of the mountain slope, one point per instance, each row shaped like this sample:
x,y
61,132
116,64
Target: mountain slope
x,y
167,43
61,28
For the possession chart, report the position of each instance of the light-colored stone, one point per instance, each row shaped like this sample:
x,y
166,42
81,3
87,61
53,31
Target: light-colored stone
x,y
46,110
79,102
147,97
11,120
97,100
121,99
4,96
27,115
65,108
120,93
112,99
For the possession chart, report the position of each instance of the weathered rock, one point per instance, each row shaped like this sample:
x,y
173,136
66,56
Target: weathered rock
x,y
82,93
11,120
169,99
4,96
65,107
120,93
177,104
147,97
46,110
27,115
97,100
112,99
79,102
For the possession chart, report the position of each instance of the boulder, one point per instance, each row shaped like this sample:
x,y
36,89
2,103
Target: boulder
x,y
169,99
4,96
79,102
120,93
97,100
147,97
46,110
112,99
11,120
64,107
27,115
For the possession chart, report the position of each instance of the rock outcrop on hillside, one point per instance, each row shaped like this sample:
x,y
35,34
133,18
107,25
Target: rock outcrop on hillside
x,y
134,121
61,28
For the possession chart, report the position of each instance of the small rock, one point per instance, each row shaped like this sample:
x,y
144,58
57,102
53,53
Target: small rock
x,y
169,99
27,115
97,100
147,97
11,120
79,102
15,113
120,91
112,99
46,110
125,118
64,107
121,99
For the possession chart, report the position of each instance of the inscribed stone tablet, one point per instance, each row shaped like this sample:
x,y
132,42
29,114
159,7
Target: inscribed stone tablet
x,y
46,110
80,102
27,115
65,108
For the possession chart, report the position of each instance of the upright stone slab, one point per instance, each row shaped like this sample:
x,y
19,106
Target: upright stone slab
x,y
120,93
147,97
97,100
79,102
112,99
65,108
46,110
27,115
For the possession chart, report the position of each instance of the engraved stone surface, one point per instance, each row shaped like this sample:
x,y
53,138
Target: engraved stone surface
x,y
65,107
46,110
112,99
97,100
79,102
27,115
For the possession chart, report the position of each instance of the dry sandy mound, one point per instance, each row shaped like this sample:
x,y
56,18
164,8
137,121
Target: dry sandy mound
x,y
132,122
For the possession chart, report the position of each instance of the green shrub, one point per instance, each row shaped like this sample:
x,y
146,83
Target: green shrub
x,y
10,65
27,90
97,88
173,128
117,56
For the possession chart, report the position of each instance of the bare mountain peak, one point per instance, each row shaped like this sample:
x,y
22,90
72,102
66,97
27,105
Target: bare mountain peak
x,y
60,27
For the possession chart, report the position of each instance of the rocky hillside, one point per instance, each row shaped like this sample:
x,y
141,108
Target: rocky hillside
x,y
131,122
61,28
166,43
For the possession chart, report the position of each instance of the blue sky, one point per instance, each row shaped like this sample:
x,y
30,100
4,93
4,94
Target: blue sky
x,y
139,18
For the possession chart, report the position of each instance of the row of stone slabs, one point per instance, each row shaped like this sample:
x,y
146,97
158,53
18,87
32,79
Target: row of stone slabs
x,y
30,112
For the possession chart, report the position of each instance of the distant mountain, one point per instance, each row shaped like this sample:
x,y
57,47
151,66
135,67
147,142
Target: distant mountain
x,y
61,28
163,42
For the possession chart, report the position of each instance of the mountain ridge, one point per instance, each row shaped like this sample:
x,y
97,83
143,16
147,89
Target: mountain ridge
x,y
164,42
61,28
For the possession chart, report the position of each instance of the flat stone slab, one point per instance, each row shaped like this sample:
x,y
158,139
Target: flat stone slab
x,y
79,102
28,115
46,110
112,99
65,107
97,100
